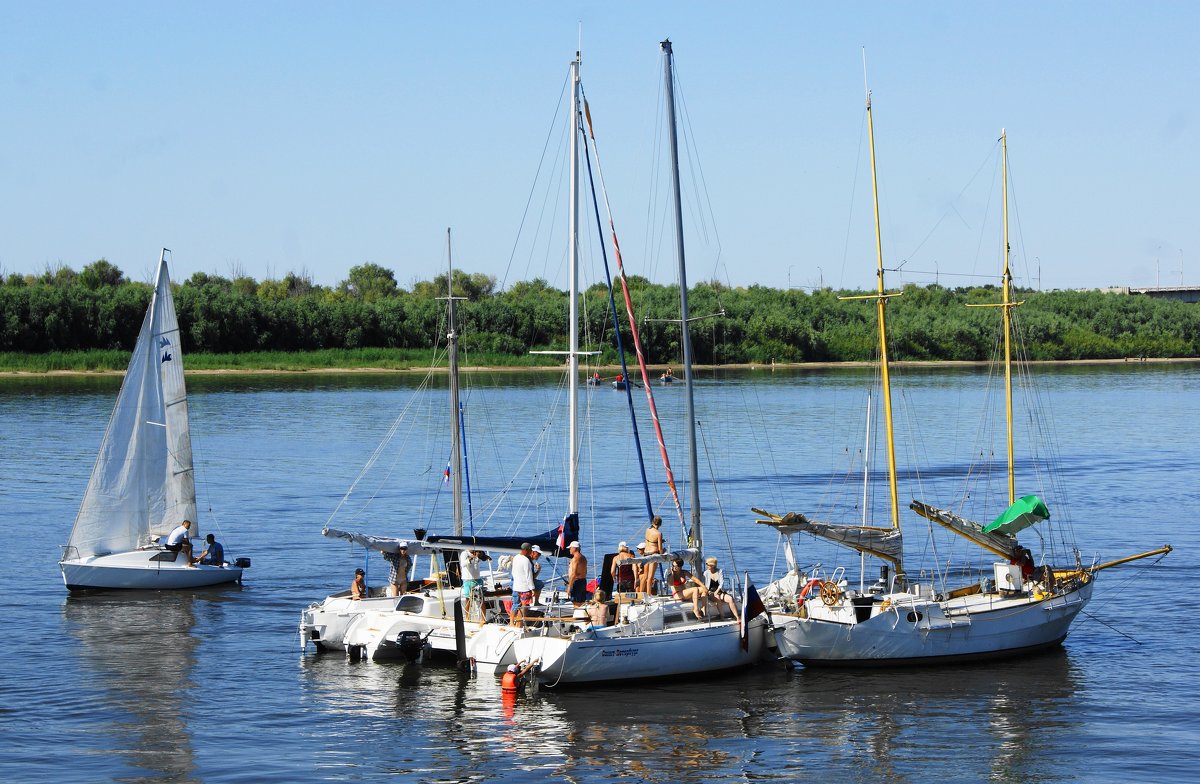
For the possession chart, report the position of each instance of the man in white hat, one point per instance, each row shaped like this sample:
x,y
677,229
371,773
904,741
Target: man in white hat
x,y
535,557
400,565
622,570
577,575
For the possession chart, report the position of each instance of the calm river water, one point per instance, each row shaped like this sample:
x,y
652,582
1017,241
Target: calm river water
x,y
212,686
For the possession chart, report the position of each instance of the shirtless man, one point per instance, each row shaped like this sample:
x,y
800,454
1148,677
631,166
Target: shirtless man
x,y
654,545
577,575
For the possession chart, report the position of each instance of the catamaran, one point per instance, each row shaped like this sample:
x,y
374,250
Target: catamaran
x,y
142,486
434,614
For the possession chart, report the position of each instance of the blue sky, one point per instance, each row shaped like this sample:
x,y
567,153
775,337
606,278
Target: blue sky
x,y
269,137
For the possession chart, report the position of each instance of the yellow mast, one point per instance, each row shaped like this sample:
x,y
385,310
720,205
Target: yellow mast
x,y
881,299
1006,305
1012,481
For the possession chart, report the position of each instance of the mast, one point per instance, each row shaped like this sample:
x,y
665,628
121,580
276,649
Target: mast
x,y
1007,309
573,250
697,539
1006,304
455,442
880,308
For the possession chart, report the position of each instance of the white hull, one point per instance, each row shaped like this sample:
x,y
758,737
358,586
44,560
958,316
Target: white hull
x,y
143,570
626,653
373,627
924,631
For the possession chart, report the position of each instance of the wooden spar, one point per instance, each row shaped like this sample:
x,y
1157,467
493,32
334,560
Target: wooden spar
x,y
1166,548
880,306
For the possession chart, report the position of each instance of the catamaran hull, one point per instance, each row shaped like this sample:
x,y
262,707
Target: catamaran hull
x,y
374,627
689,651
142,570
892,638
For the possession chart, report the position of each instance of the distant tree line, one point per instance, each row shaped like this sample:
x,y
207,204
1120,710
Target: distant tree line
x,y
98,308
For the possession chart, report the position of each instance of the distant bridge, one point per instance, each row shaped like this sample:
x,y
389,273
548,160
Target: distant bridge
x,y
1182,293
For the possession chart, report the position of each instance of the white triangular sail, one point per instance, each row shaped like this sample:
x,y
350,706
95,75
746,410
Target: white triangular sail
x,y
142,483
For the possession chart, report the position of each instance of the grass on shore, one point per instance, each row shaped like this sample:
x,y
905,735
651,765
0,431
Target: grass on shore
x,y
100,361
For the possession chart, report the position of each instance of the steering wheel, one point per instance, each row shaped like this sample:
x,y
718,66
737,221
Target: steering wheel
x,y
831,593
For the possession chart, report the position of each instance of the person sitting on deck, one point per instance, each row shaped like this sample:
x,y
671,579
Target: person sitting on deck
x,y
597,611
358,588
714,583
214,554
685,586
178,541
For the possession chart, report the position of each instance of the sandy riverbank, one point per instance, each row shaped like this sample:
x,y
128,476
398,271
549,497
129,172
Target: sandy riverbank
x,y
607,370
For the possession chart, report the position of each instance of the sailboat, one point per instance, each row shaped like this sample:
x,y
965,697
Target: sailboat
x,y
657,636
1016,608
142,485
430,614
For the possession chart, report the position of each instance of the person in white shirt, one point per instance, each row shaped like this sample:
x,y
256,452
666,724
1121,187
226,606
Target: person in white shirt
x,y
522,584
178,541
468,569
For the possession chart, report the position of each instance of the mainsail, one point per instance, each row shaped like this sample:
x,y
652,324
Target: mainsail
x,y
142,482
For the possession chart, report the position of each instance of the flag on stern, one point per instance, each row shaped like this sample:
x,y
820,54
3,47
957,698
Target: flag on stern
x,y
752,607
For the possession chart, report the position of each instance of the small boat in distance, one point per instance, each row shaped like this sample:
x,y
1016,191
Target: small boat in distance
x,y
142,486
667,377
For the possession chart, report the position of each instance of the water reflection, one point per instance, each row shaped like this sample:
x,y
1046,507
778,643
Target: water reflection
x,y
898,724
138,651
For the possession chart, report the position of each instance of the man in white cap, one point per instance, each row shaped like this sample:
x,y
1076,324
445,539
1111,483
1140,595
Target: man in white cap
x,y
400,565
535,557
622,570
577,575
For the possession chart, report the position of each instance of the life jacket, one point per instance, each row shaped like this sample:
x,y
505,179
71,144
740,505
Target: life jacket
x,y
510,683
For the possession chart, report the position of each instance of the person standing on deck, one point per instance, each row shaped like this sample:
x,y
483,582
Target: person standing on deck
x,y
400,565
577,575
655,544
522,584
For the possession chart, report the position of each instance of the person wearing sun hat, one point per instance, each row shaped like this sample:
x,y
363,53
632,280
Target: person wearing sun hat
x,y
577,575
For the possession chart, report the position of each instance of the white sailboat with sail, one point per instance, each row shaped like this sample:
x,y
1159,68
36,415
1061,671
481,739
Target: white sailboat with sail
x,y
656,636
1016,607
142,486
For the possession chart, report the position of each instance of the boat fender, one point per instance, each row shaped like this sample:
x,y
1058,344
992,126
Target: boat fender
x,y
241,563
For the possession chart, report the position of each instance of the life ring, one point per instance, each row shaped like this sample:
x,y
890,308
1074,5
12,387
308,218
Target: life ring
x,y
831,593
813,583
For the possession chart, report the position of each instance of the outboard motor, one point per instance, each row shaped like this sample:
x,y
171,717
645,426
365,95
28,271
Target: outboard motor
x,y
410,644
